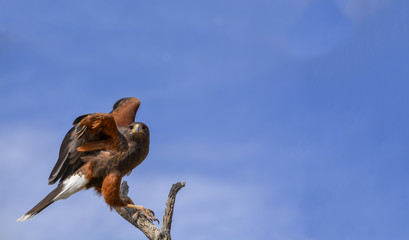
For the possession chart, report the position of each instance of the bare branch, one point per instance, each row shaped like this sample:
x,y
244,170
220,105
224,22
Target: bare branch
x,y
147,227
170,204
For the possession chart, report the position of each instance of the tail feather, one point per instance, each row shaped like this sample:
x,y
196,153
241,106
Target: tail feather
x,y
70,186
49,199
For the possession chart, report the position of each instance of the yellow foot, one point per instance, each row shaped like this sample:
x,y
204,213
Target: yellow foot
x,y
149,214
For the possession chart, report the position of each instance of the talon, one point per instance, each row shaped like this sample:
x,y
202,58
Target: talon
x,y
147,213
153,216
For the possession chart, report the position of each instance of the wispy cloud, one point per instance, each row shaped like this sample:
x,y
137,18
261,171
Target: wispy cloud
x,y
358,10
205,208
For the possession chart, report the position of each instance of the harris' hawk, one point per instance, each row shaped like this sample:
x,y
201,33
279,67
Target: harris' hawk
x,y
96,153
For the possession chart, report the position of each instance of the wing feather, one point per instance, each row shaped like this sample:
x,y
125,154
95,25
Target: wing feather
x,y
91,132
124,111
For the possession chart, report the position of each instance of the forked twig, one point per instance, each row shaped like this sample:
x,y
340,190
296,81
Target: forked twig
x,y
148,228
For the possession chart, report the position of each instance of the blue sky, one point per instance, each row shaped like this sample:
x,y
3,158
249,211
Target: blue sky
x,y
287,119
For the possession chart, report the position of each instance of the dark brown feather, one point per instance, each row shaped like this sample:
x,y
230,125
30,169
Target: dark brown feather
x,y
66,152
47,201
93,132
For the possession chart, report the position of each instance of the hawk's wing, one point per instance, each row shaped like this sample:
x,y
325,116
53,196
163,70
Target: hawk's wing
x,y
124,111
91,132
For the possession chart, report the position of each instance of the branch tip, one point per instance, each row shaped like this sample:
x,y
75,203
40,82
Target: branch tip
x,y
147,227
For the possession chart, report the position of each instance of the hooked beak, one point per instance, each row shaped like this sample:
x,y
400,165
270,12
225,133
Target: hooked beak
x,y
136,129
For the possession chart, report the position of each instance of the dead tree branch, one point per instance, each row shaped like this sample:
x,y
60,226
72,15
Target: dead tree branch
x,y
148,228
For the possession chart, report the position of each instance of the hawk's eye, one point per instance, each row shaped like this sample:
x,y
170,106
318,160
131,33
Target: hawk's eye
x,y
130,127
144,128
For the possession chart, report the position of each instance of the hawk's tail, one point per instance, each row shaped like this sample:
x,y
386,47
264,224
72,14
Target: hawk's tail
x,y
65,189
49,199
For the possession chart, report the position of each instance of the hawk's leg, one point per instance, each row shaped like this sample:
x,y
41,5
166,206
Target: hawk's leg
x,y
149,214
127,200
111,192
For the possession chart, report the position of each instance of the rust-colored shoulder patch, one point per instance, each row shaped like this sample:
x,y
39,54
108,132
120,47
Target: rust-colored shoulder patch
x,y
103,127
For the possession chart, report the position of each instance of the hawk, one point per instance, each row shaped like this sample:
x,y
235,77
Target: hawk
x,y
96,153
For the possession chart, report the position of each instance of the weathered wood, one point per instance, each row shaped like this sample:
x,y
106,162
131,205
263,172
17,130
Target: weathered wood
x,y
148,228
